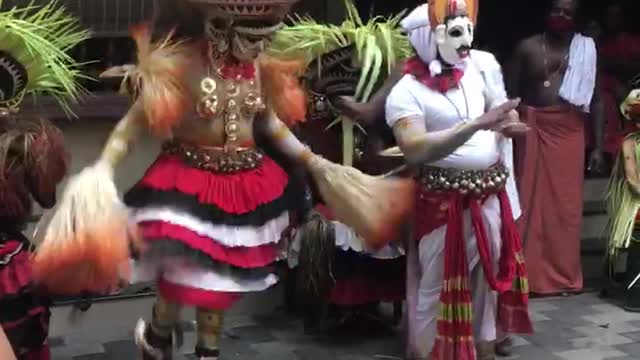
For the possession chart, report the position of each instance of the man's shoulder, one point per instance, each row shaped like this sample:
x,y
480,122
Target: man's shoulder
x,y
529,43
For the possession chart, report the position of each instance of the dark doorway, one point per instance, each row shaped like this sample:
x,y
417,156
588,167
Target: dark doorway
x,y
503,23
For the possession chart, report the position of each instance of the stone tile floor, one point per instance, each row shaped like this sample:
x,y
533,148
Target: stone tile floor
x,y
582,327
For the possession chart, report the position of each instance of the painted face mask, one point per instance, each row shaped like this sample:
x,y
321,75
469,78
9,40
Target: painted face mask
x,y
454,39
243,27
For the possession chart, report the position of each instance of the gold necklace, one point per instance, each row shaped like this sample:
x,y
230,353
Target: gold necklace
x,y
549,77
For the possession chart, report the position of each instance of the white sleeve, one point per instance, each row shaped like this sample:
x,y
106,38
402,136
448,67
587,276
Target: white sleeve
x,y
495,91
401,104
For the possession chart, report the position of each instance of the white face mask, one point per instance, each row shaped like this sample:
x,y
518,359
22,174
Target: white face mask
x,y
454,39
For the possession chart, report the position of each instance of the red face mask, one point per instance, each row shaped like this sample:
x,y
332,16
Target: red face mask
x,y
560,24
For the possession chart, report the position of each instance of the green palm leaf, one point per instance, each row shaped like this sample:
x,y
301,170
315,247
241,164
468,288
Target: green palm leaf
x,y
40,37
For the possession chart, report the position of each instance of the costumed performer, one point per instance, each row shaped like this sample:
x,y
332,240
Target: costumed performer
x,y
34,41
623,200
350,59
450,115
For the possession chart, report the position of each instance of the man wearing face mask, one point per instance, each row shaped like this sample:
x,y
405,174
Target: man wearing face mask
x,y
555,75
450,114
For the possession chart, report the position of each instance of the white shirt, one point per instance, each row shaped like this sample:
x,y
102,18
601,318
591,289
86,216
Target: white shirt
x,y
411,98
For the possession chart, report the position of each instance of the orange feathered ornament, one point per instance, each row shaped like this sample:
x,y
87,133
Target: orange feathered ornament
x,y
439,10
281,77
163,68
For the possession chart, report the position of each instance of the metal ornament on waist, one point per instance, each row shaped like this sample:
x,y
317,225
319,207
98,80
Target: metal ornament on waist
x,y
216,159
473,182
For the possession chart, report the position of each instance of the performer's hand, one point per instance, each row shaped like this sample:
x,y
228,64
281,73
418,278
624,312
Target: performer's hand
x,y
596,162
494,117
512,126
361,113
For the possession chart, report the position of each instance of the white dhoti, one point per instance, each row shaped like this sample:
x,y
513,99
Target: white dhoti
x,y
431,268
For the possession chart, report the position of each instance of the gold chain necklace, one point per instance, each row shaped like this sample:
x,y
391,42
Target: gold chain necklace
x,y
549,77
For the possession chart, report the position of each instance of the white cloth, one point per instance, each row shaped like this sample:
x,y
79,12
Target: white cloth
x,y
418,28
411,98
226,235
579,82
431,253
346,239
496,95
198,277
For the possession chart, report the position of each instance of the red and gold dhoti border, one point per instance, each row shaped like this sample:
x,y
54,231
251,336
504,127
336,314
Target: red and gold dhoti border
x,y
444,196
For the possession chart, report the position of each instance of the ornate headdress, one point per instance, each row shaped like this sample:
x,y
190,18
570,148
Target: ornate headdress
x,y
34,42
630,107
440,10
33,60
249,9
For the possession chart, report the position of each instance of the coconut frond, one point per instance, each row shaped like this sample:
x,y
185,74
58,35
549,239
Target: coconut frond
x,y
40,37
379,44
317,252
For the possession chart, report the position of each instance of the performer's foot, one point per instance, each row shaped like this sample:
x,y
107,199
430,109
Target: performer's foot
x,y
486,350
504,347
207,354
150,345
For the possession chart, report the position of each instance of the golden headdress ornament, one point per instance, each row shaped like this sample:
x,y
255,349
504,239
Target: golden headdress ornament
x,y
440,10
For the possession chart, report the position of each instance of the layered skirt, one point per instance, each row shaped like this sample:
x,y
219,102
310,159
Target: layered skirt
x,y
24,314
210,236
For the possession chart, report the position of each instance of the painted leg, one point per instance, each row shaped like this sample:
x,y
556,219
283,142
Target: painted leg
x,y
209,330
155,341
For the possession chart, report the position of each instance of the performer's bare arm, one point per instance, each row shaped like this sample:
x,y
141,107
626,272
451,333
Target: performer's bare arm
x,y
630,167
372,111
420,146
6,352
285,141
597,115
125,133
514,71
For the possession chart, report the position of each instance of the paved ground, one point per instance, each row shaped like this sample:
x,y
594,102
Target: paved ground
x,y
582,327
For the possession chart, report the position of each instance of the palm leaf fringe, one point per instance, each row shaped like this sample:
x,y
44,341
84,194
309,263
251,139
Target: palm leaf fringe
x,y
622,205
40,38
379,43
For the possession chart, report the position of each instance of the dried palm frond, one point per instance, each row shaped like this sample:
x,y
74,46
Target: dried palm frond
x,y
317,253
622,204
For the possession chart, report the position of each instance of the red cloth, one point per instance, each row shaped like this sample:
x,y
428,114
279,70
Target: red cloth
x,y
237,193
454,328
626,48
16,276
549,164
449,79
192,296
360,290
244,257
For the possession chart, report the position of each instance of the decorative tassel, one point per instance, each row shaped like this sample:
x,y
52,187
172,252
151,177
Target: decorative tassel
x,y
163,68
85,245
281,77
513,304
455,329
375,208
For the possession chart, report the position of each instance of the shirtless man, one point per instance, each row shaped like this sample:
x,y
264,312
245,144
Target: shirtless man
x,y
554,74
